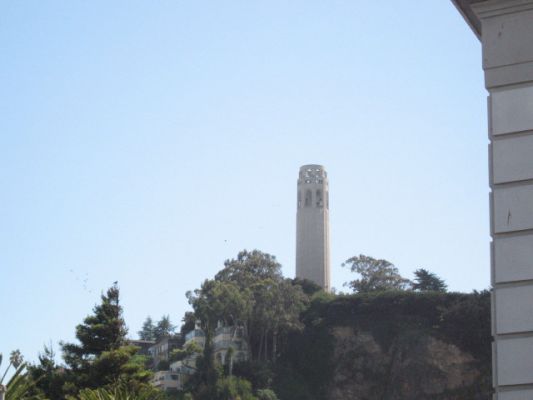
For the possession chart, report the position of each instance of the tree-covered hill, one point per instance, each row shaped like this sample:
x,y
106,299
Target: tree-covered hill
x,y
390,345
392,339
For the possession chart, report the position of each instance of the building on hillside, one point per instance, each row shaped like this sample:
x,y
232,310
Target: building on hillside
x,y
183,369
180,371
143,345
225,337
196,335
312,226
230,337
160,351
167,381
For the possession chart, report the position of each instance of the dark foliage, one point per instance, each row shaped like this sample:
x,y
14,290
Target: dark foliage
x,y
100,358
308,287
49,378
147,331
466,323
189,321
164,328
260,374
428,281
305,369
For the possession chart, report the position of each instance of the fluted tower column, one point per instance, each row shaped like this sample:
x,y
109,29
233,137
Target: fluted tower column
x,y
312,226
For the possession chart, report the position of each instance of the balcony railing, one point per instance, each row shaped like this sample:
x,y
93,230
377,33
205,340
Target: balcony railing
x,y
234,332
193,334
226,344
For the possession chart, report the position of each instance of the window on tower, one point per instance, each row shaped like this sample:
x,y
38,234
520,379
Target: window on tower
x,y
319,200
308,198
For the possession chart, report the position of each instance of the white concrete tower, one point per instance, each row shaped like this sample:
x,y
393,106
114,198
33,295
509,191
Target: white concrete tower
x,y
312,226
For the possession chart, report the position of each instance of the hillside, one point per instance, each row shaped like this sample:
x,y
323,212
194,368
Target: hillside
x,y
390,346
255,335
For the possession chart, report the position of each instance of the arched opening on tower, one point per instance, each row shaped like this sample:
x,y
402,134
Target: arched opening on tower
x,y
319,199
308,198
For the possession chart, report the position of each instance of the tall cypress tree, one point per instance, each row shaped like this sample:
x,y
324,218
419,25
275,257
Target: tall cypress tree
x,y
102,357
104,330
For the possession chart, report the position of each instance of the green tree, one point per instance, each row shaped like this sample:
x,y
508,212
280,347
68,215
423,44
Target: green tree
x,y
276,313
276,303
234,388
49,376
122,365
308,287
188,323
249,267
471,312
120,392
101,358
428,281
259,373
220,301
251,292
203,383
104,330
164,328
375,275
266,394
214,301
147,331
188,350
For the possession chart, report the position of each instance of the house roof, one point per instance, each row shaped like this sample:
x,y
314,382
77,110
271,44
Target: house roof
x,y
465,8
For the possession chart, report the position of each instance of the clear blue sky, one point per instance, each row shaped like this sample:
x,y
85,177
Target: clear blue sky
x,y
145,142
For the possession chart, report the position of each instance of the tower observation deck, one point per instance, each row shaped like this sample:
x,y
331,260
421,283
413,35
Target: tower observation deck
x,y
312,226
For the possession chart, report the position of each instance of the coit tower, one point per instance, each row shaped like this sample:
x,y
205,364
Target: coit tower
x,y
312,226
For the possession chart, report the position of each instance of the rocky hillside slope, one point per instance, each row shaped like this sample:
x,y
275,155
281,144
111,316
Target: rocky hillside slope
x,y
391,346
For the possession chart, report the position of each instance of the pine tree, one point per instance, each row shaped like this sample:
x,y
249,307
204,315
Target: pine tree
x,y
48,376
147,331
104,330
428,281
102,358
164,328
